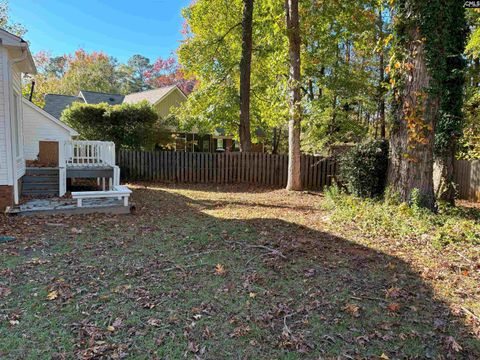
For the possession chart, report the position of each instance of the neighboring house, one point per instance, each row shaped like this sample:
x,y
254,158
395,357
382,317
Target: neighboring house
x,y
24,128
15,59
163,100
56,103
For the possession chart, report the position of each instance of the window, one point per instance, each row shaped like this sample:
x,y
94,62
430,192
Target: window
x,y
15,124
220,144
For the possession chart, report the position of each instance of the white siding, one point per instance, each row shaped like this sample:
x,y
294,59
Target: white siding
x,y
3,120
38,127
16,77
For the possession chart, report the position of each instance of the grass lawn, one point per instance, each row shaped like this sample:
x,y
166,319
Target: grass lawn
x,y
242,273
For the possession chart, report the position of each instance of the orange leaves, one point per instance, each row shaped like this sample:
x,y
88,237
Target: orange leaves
x,y
394,307
352,309
220,270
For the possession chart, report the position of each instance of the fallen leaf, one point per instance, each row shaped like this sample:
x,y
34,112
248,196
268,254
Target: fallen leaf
x,y
220,270
394,307
352,309
453,345
110,328
52,295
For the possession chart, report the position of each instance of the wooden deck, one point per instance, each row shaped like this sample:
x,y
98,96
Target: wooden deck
x,y
89,171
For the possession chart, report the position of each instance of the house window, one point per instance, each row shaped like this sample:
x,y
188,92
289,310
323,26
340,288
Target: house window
x,y
220,144
15,124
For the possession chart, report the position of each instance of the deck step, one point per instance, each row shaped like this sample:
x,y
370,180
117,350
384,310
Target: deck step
x,y
40,192
40,186
40,182
28,179
41,171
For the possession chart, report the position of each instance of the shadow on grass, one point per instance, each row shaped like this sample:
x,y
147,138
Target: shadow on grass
x,y
283,291
337,298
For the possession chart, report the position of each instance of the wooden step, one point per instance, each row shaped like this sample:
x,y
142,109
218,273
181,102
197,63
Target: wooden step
x,y
40,186
41,171
40,179
40,192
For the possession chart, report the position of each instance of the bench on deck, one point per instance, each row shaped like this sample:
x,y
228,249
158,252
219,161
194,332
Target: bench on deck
x,y
119,191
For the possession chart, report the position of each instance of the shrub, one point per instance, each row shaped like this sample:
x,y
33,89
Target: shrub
x,y
363,169
133,126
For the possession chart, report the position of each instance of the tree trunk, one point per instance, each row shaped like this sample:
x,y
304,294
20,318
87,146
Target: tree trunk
x,y
293,32
381,70
412,137
445,188
245,75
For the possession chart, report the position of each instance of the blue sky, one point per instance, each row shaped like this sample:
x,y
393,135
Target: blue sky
x,y
120,28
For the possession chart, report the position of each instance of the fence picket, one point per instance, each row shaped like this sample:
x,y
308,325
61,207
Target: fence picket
x,y
254,168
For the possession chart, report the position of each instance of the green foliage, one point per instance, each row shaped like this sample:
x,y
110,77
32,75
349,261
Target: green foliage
x,y
444,47
211,54
6,24
339,82
363,169
470,142
131,126
398,220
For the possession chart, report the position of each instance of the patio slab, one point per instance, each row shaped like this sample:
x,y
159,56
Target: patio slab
x,y
54,206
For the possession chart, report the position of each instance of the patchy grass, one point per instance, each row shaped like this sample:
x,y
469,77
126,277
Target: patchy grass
x,y
235,272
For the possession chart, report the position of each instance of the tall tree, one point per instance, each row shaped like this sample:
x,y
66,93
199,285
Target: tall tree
x,y
245,76
450,124
133,74
293,32
416,75
381,72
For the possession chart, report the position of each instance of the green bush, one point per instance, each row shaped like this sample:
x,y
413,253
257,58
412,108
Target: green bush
x,y
363,169
131,126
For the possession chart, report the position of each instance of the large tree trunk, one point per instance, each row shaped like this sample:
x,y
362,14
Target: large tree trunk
x,y
412,137
381,70
293,32
245,75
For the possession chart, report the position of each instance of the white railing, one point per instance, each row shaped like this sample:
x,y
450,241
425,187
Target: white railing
x,y
89,153
75,153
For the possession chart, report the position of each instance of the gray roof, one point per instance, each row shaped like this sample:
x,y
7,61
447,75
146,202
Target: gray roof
x,y
55,104
152,96
92,97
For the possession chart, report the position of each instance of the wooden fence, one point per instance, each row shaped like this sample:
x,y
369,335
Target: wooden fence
x,y
254,168
467,178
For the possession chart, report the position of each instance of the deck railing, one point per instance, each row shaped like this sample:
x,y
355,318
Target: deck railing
x,y
89,153
77,153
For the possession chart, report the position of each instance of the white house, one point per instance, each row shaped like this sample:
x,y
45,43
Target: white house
x,y
15,59
38,125
25,128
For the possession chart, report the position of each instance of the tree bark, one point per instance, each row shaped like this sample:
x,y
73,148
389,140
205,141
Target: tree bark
x,y
381,70
245,76
445,189
412,137
293,33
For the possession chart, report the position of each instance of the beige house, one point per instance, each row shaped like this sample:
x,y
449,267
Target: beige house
x,y
162,99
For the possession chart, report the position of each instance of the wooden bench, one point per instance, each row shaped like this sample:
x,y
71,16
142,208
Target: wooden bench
x,y
119,191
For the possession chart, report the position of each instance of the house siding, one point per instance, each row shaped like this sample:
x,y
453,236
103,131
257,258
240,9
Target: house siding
x,y
16,77
165,106
38,127
4,173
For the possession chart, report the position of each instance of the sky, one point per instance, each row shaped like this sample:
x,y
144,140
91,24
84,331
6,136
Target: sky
x,y
120,28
